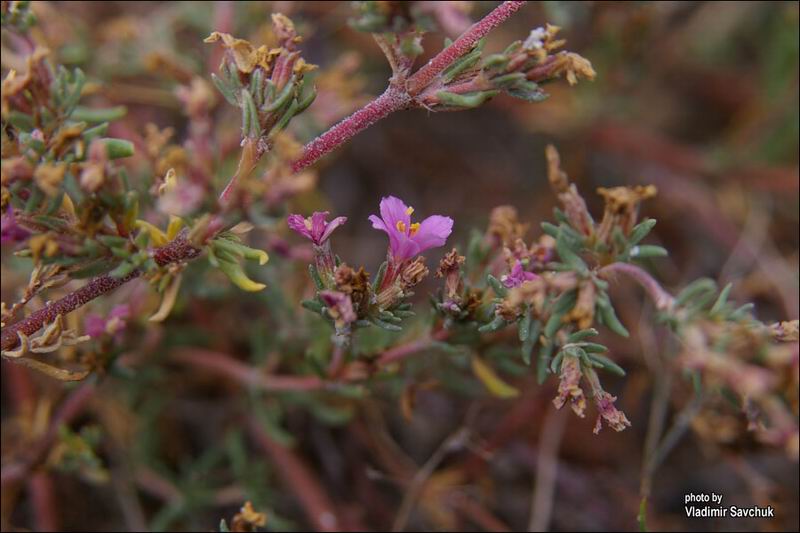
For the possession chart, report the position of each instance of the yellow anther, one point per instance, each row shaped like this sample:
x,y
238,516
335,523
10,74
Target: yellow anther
x,y
414,228
307,223
401,226
409,210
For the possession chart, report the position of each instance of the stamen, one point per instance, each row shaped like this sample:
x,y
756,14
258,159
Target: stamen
x,y
414,228
307,223
409,211
401,226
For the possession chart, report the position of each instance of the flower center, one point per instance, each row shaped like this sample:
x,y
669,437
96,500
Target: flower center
x,y
401,226
307,223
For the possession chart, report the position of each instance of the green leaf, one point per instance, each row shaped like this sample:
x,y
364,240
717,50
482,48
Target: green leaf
x,y
282,98
607,364
118,148
312,271
110,114
641,230
568,251
376,284
250,122
498,323
498,288
225,89
465,62
307,100
524,325
648,250
528,91
609,316
581,335
468,101
386,325
695,289
544,361
721,300
742,312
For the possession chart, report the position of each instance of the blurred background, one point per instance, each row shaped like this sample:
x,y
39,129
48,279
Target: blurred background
x,y
697,98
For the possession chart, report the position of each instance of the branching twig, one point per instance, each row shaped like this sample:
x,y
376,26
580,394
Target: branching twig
x,y
393,99
69,410
399,95
546,470
179,249
456,441
661,298
312,497
404,350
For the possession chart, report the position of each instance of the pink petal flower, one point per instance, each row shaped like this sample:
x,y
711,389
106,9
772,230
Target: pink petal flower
x,y
10,231
315,228
518,276
407,239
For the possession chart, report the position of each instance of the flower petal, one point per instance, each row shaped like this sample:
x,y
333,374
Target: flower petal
x,y
405,249
318,225
394,210
377,223
433,232
298,224
332,225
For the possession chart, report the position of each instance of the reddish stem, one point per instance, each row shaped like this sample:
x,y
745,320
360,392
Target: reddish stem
x,y
424,76
69,410
301,481
43,496
176,250
390,101
404,350
397,97
661,298
245,374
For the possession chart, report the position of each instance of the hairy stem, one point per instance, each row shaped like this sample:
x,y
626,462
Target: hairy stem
x,y
390,101
397,97
423,77
179,249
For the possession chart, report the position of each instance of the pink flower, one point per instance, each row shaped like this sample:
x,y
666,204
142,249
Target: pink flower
x,y
407,239
518,276
97,326
10,231
615,418
340,308
315,227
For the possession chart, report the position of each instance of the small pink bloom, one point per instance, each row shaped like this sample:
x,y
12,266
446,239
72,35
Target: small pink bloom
x,y
615,418
10,231
518,276
315,227
407,239
97,326
340,308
